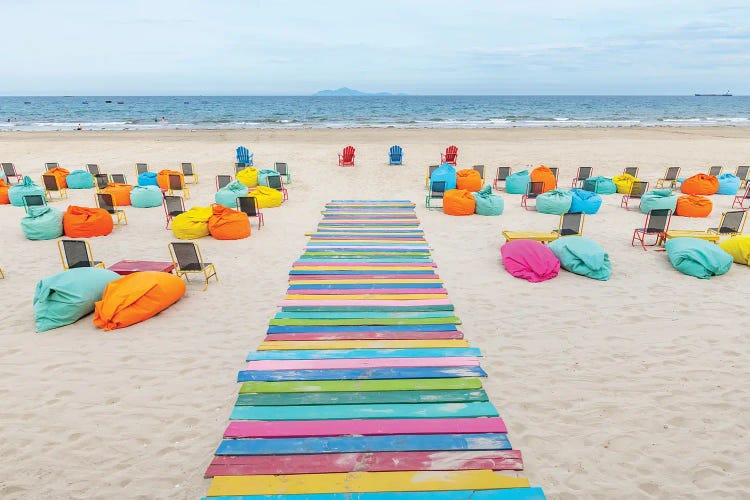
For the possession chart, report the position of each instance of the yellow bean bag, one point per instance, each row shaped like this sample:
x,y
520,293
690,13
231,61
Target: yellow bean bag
x,y
192,224
137,297
624,183
738,247
267,197
228,224
248,177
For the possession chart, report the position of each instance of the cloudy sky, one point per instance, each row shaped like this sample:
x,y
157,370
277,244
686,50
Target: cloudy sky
x,y
217,47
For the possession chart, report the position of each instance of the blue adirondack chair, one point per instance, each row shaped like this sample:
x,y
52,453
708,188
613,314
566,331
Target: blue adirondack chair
x,y
395,155
244,156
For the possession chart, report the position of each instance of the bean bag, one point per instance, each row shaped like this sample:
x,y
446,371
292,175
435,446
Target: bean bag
x,y
85,222
600,185
699,258
42,223
120,193
729,184
583,256
267,197
66,297
530,260
262,174
26,187
545,175
4,198
488,203
700,184
584,202
446,173
192,224
162,178
137,297
738,247
148,179
555,201
2,176
248,176
228,195
146,196
693,206
458,202
658,199
516,183
468,179
60,174
228,224
624,183
80,179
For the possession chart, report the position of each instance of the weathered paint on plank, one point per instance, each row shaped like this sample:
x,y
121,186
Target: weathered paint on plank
x,y
343,364
364,336
361,328
362,385
365,353
360,344
454,320
361,373
489,494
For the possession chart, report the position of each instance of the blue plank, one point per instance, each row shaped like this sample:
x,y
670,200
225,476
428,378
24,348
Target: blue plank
x,y
361,374
350,328
363,315
499,494
441,352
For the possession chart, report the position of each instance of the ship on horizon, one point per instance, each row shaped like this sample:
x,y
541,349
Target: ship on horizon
x,y
725,94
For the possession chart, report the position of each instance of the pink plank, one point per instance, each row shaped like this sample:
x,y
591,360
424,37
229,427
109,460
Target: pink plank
x,y
366,248
359,263
366,291
375,277
365,302
365,336
333,364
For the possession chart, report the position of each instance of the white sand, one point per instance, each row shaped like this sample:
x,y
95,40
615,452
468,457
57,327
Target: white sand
x,y
632,388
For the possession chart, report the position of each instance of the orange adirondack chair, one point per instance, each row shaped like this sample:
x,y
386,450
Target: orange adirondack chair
x,y
346,159
450,155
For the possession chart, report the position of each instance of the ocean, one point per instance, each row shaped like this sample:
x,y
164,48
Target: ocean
x,y
282,112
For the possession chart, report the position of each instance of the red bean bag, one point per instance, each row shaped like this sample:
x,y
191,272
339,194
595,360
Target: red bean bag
x,y
458,202
700,184
60,174
693,206
545,175
85,222
4,199
469,180
120,193
228,224
162,178
530,260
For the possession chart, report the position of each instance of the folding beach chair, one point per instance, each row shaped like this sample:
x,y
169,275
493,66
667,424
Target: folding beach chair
x,y
500,176
480,169
742,172
715,170
533,189
631,171
140,168
656,224
119,178
395,155
49,166
275,182
570,225
2,274
177,183
430,170
173,206
249,205
33,200
283,169
187,259
346,157
244,157
51,186
731,223
222,180
238,167
450,155
101,180
637,190
740,199
670,178
555,171
583,174
106,202
92,168
9,169
77,253
436,192
188,170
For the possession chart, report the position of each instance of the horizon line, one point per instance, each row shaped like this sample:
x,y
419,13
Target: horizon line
x,y
370,95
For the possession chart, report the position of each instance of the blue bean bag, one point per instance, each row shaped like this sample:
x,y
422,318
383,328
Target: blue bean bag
x,y
80,179
600,185
228,195
146,196
584,202
729,184
488,203
147,179
262,174
18,191
66,297
583,256
555,202
42,223
516,183
658,200
699,258
445,173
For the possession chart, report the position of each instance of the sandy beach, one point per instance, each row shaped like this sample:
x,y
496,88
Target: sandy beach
x,y
631,388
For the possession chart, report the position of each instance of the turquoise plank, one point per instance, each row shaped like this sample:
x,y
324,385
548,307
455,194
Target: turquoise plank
x,y
500,494
439,352
361,373
366,397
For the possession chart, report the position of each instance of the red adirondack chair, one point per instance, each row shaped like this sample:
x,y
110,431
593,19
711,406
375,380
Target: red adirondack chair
x,y
450,155
347,158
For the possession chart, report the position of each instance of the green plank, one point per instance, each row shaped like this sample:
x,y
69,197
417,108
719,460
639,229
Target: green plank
x,y
350,398
453,320
361,385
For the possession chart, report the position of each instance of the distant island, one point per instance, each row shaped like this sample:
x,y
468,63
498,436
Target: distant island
x,y
345,91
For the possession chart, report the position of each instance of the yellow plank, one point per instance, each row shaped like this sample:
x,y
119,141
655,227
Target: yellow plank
x,y
345,281
293,345
530,235
359,482
376,296
686,233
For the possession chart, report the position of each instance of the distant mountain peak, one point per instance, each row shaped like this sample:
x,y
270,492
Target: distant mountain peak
x,y
346,91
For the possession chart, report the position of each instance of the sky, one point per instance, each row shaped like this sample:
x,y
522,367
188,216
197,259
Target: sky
x,y
282,47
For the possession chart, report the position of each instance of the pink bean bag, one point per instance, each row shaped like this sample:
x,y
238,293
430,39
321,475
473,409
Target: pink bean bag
x,y
530,260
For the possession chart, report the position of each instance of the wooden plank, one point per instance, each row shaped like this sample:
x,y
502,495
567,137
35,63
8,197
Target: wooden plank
x,y
363,314
356,281
361,373
454,320
402,306
489,494
361,328
365,353
411,273
331,364
362,385
369,291
365,286
360,344
351,398
364,336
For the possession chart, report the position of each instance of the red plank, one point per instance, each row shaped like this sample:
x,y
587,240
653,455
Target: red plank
x,y
365,336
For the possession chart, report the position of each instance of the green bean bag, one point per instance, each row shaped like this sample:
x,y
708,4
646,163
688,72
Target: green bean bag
x,y
600,185
80,179
659,199
697,257
488,203
516,183
262,174
147,196
555,202
42,223
228,195
583,256
66,297
18,191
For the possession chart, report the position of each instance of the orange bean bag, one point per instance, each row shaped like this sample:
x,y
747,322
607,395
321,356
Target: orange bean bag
x,y
120,193
228,224
458,202
469,180
162,178
137,297
85,222
60,174
700,184
545,175
4,199
693,206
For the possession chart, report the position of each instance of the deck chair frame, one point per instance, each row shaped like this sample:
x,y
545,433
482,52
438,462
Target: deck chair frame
x,y
50,165
248,205
501,174
670,177
106,201
61,244
277,183
92,168
742,172
50,184
741,198
582,174
660,232
715,170
141,168
630,171
734,229
480,170
177,183
33,200
430,171
101,181
207,269
222,180
118,178
533,189
436,191
188,170
568,221
9,169
282,168
637,190
170,210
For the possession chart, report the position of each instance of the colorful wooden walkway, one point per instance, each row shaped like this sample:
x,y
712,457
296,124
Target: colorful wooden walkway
x,y
364,387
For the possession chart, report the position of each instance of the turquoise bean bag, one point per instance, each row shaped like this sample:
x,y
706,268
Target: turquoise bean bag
x,y
262,174
66,297
80,179
42,223
445,173
729,184
516,183
659,199
146,196
584,202
147,179
699,258
228,195
18,191
488,203
2,176
600,185
583,256
555,201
